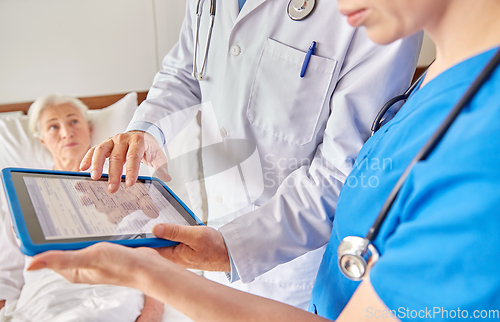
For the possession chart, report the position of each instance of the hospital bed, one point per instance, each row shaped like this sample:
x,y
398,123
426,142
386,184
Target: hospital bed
x,y
108,115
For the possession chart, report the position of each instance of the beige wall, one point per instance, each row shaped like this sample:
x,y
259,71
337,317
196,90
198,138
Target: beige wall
x,y
83,48
90,47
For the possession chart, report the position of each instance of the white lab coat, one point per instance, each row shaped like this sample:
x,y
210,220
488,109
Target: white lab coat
x,y
307,130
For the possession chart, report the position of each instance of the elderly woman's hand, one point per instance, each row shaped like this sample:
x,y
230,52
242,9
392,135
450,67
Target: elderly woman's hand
x,y
130,148
152,310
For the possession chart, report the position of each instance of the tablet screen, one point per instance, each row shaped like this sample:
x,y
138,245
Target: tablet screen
x,y
74,207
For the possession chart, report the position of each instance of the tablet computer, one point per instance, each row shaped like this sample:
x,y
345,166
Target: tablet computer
x,y
56,210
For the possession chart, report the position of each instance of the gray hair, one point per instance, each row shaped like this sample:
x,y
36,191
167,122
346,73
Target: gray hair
x,y
45,101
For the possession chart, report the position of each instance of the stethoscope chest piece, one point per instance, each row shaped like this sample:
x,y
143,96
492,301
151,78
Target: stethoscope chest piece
x,y
354,255
300,9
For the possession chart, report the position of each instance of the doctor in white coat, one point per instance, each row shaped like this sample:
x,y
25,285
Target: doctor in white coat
x,y
273,141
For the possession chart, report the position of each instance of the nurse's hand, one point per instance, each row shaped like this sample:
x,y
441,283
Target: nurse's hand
x,y
130,148
102,263
200,247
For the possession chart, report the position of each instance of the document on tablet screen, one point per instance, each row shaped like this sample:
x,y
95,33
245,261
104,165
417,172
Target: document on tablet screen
x,y
68,208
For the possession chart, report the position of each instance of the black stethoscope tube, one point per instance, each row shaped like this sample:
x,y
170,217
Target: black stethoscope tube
x,y
433,142
377,123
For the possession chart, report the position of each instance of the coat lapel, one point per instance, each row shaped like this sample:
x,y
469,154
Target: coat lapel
x,y
249,6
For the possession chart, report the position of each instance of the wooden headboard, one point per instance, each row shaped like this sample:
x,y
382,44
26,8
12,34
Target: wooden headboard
x,y
94,102
418,72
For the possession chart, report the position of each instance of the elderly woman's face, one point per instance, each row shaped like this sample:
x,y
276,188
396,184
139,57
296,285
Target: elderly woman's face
x,y
64,132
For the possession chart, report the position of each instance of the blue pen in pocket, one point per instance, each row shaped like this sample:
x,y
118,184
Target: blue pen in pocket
x,y
309,53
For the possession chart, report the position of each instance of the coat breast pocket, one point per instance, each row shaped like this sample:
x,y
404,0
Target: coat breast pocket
x,y
283,104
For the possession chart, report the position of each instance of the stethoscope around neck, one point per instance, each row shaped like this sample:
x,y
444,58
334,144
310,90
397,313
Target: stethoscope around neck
x,y
199,3
297,10
355,254
379,119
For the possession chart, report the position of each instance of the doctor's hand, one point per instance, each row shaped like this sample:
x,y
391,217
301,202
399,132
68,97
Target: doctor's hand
x,y
199,247
128,148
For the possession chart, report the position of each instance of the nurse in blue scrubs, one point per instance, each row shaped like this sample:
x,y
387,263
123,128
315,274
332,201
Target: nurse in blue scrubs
x,y
439,245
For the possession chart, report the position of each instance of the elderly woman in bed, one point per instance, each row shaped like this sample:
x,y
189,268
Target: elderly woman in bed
x,y
60,123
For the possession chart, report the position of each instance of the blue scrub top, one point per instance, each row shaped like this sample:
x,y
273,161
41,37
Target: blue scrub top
x,y
440,244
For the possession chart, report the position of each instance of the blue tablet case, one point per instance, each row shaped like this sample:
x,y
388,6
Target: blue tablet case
x,y
28,247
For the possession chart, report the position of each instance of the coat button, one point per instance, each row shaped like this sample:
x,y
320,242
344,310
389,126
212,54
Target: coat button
x,y
235,50
218,199
223,132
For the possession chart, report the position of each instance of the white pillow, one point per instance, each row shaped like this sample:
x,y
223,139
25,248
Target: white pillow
x,y
18,147
113,119
11,114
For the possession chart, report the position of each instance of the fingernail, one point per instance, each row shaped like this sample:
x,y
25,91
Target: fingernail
x,y
37,265
158,230
129,182
163,174
112,187
94,174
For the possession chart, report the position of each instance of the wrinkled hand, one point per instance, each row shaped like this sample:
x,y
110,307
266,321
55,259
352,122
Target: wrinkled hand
x,y
101,263
128,148
200,247
152,310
